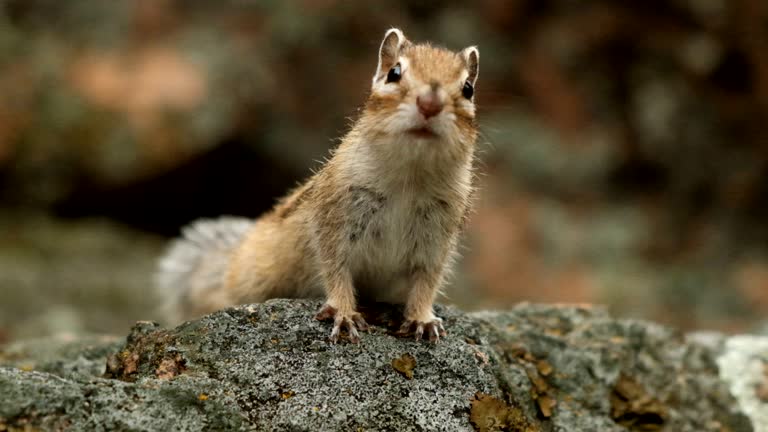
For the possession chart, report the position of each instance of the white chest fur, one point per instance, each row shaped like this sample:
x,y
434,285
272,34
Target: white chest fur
x,y
394,235
404,210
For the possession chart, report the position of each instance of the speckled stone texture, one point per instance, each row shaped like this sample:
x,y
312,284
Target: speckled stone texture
x,y
270,367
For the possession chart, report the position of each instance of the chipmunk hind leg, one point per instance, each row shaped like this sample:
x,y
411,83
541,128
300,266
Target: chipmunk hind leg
x,y
190,274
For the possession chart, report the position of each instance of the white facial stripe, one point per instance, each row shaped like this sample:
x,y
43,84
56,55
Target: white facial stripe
x,y
464,76
382,88
467,106
404,64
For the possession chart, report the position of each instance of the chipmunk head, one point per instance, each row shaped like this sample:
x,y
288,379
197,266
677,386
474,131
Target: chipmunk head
x,y
423,91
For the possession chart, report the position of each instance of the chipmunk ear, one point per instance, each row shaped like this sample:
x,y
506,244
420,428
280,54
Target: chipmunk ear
x,y
394,40
472,58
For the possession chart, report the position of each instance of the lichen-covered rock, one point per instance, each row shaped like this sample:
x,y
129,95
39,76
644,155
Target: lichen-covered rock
x,y
269,367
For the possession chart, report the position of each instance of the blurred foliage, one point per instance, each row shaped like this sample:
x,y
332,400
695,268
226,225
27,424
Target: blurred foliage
x,y
624,150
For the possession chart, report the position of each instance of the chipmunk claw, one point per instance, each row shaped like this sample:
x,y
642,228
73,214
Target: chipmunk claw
x,y
350,321
433,329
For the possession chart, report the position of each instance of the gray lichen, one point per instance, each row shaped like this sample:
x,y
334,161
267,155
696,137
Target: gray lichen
x,y
269,367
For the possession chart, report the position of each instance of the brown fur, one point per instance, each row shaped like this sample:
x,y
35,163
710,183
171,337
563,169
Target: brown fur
x,y
381,219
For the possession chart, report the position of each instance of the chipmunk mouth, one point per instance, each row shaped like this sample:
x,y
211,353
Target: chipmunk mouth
x,y
422,132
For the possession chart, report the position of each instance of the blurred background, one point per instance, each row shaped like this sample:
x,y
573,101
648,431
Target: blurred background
x,y
624,151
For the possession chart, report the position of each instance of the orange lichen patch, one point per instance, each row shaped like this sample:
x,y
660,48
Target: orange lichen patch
x,y
405,365
202,397
488,413
634,408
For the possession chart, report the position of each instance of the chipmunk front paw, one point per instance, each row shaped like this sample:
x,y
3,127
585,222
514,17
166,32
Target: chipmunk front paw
x,y
433,328
350,321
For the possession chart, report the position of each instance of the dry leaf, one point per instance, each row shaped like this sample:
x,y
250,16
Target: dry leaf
x,y
539,384
483,357
546,404
634,408
130,363
544,367
170,367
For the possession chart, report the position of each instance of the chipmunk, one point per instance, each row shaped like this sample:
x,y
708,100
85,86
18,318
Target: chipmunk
x,y
380,220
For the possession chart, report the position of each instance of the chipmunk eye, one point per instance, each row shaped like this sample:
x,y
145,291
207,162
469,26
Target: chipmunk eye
x,y
394,74
468,90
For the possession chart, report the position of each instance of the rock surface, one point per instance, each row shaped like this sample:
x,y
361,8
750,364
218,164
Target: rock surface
x,y
269,367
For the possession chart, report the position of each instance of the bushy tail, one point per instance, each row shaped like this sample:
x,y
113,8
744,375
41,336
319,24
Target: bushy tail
x,y
191,272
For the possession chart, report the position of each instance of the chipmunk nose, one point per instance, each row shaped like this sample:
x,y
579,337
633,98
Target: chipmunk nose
x,y
429,104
